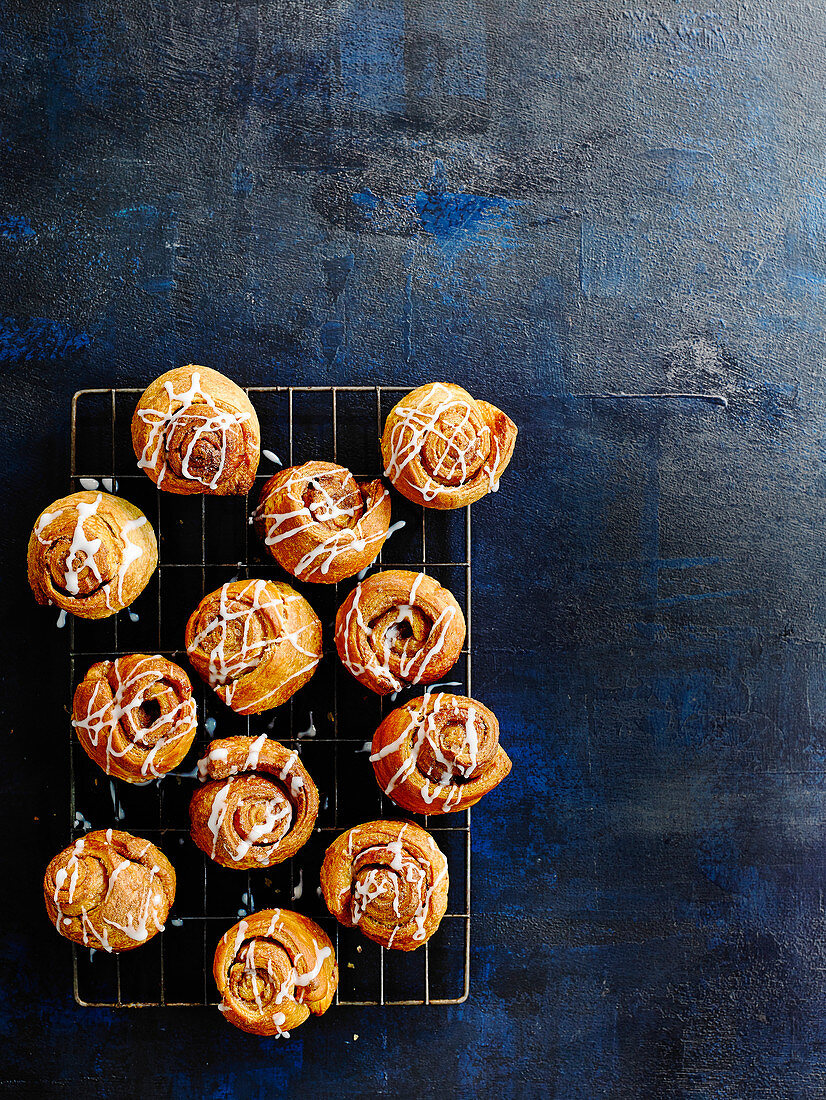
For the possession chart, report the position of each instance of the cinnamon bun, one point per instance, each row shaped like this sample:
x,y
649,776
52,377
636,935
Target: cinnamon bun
x,y
91,554
195,431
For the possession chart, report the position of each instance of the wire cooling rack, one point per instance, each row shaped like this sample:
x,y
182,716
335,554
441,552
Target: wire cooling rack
x,y
204,542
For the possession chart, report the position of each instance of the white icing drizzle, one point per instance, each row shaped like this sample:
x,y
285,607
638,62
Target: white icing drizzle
x,y
251,762
239,936
273,922
409,434
296,781
491,467
43,522
179,410
421,913
220,754
131,553
217,815
272,457
136,927
322,953
263,828
82,550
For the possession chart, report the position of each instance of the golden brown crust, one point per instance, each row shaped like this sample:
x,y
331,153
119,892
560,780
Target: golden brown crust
x,y
272,970
320,524
258,804
388,878
443,449
254,642
397,628
109,890
91,554
135,716
195,431
439,754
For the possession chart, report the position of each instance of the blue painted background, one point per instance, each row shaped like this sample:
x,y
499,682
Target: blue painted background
x,y
551,205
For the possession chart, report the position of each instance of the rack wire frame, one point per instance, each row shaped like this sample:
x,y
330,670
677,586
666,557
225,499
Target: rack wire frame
x,y
383,986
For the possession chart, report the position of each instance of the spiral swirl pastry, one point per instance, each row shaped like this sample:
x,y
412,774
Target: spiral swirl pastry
x,y
272,970
254,642
109,890
389,879
320,524
258,804
135,716
398,628
195,431
439,754
91,554
443,449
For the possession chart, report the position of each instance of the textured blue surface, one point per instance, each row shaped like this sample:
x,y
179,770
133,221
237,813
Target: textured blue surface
x,y
552,206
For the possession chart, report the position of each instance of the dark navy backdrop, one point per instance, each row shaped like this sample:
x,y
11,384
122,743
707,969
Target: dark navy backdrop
x,y
552,205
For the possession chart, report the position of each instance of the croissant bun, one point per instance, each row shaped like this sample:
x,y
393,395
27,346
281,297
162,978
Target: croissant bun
x,y
320,524
397,628
109,890
439,754
91,554
135,716
390,879
258,805
272,970
443,449
255,642
195,431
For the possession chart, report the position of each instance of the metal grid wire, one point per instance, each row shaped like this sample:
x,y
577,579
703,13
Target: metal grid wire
x,y
204,542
